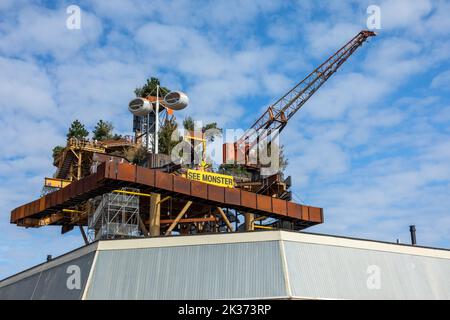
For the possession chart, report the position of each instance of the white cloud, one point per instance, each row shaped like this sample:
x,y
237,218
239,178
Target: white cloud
x,y
25,90
441,81
371,146
404,13
39,31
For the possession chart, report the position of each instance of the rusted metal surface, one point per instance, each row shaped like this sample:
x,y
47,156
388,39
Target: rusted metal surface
x,y
199,189
315,214
263,203
294,210
126,172
66,194
233,196
216,193
279,206
144,176
248,199
181,185
110,175
163,180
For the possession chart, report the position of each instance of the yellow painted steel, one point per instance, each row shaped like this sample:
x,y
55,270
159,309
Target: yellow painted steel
x,y
72,211
262,227
203,164
260,218
216,179
132,193
164,200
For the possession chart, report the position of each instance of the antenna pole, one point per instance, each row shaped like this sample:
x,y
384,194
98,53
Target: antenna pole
x,y
157,121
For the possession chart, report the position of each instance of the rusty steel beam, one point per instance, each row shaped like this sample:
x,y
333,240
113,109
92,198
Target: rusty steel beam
x,y
178,218
224,218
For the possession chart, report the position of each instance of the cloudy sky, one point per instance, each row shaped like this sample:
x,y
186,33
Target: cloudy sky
x,y
371,147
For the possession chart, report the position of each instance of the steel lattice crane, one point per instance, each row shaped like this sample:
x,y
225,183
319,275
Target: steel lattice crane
x,y
275,118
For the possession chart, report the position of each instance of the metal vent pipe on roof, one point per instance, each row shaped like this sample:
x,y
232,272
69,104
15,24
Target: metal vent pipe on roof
x,y
412,230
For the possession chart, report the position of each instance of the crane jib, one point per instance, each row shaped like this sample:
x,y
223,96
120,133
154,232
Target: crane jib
x,y
277,115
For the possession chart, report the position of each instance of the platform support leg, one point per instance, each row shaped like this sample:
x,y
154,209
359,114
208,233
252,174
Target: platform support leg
x,y
249,221
155,215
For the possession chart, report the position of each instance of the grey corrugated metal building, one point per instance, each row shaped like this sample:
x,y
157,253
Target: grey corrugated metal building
x,y
254,265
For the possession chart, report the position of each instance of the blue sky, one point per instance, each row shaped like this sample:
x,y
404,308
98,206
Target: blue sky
x,y
371,147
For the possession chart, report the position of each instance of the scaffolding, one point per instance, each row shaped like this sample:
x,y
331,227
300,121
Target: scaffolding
x,y
116,215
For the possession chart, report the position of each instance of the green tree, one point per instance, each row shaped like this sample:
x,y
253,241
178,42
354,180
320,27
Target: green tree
x,y
103,131
56,152
139,156
166,144
210,129
149,88
77,130
117,136
188,124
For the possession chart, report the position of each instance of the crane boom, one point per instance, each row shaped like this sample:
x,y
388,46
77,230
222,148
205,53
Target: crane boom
x,y
275,118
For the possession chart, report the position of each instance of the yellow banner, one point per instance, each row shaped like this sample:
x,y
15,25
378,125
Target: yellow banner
x,y
216,179
56,183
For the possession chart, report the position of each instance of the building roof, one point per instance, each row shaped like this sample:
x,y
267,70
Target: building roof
x,y
251,265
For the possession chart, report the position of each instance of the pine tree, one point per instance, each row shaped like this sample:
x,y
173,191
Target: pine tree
x,y
188,124
166,144
77,130
103,131
149,89
56,152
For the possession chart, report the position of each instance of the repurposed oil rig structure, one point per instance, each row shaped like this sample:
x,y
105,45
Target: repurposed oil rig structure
x,y
141,205
95,187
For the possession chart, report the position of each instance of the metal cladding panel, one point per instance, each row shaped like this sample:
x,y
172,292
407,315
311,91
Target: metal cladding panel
x,y
294,210
163,180
233,196
111,170
66,194
215,271
305,213
72,190
263,203
35,206
181,185
216,193
30,208
199,189
248,199
126,172
25,210
279,206
145,176
59,196
52,283
21,290
42,204
21,213
101,172
334,272
92,184
78,187
13,216
315,214
52,199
